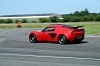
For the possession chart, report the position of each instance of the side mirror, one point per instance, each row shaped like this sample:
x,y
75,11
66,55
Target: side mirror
x,y
42,30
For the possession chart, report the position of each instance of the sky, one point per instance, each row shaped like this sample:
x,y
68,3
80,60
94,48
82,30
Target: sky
x,y
12,7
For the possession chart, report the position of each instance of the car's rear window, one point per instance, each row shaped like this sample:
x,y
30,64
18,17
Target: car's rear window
x,y
67,26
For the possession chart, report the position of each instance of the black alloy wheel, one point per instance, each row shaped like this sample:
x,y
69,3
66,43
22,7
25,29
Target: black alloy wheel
x,y
32,38
62,39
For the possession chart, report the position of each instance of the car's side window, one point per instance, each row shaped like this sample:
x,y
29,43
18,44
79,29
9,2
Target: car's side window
x,y
49,29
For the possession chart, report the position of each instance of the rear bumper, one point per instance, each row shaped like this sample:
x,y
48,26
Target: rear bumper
x,y
78,39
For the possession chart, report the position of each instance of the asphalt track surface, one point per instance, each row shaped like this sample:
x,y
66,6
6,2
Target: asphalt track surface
x,y
16,50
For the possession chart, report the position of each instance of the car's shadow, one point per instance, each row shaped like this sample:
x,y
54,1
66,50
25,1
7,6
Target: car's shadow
x,y
83,42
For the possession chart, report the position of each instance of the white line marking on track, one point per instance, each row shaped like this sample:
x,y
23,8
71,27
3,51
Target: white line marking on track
x,y
56,57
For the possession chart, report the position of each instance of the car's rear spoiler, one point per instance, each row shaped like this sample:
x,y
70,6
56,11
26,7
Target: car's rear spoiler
x,y
77,26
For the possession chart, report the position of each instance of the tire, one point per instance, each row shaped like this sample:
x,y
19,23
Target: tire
x,y
62,39
32,38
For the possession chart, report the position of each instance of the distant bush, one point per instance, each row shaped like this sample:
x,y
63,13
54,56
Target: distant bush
x,y
24,21
54,19
43,20
97,18
9,21
34,21
2,21
17,21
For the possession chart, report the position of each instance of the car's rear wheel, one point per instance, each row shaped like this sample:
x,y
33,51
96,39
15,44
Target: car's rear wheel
x,y
62,39
32,38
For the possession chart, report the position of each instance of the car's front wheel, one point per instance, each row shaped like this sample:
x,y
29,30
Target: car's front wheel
x,y
62,39
32,38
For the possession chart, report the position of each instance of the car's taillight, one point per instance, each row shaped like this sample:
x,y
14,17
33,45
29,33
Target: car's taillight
x,y
78,31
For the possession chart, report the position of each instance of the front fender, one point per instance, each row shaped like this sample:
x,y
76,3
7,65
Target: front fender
x,y
38,35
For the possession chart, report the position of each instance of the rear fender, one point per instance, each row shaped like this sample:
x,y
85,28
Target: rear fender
x,y
68,35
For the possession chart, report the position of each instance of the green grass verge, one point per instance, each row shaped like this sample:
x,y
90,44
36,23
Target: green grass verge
x,y
90,27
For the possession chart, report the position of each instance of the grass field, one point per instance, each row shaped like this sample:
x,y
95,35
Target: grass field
x,y
90,27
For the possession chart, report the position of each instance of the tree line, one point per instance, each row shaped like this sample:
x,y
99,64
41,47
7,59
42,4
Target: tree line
x,y
12,21
77,16
80,16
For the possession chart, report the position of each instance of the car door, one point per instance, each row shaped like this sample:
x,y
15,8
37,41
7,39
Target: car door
x,y
48,34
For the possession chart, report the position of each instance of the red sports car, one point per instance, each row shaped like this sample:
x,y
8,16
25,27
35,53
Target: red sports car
x,y
58,33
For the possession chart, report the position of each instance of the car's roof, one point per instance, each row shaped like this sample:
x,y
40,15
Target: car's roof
x,y
55,25
59,25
